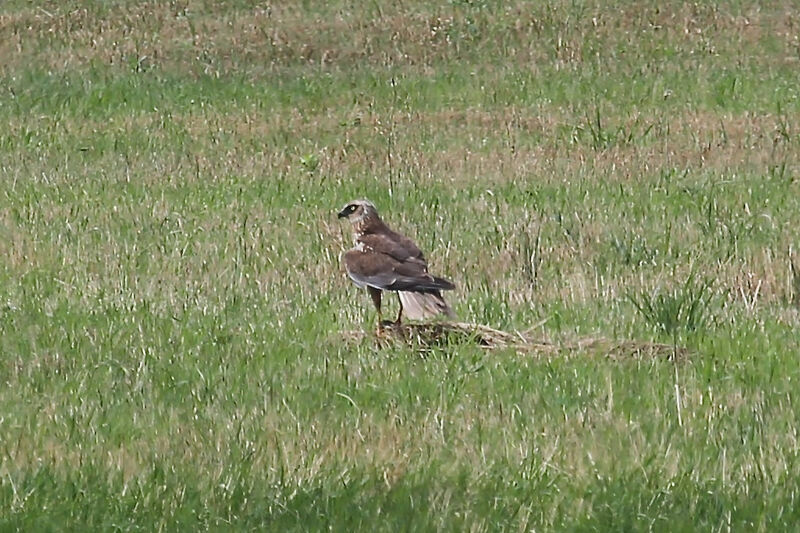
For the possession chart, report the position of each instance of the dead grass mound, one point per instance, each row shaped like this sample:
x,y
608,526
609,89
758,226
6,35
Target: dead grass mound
x,y
425,336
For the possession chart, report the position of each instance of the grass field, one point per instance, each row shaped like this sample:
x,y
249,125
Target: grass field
x,y
173,310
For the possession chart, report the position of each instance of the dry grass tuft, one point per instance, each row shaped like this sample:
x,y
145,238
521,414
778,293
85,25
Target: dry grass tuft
x,y
426,336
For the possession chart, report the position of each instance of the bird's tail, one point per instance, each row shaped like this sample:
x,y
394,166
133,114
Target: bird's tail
x,y
424,305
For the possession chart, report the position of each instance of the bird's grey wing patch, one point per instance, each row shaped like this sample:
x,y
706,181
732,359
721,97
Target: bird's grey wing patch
x,y
357,279
391,281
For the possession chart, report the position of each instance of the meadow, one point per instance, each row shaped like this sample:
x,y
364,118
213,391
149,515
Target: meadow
x,y
173,311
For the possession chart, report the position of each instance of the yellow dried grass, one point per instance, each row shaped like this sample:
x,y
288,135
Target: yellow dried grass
x,y
425,336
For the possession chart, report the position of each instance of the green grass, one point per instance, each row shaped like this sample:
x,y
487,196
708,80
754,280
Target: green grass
x,y
173,312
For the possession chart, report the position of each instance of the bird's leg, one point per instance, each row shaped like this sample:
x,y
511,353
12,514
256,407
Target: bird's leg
x,y
400,312
376,299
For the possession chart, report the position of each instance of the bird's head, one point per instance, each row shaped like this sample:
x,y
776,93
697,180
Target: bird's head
x,y
358,210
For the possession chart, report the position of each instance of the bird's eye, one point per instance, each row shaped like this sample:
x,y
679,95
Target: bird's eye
x,y
351,208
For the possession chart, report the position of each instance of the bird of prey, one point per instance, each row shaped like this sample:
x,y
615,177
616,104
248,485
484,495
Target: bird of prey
x,y
384,260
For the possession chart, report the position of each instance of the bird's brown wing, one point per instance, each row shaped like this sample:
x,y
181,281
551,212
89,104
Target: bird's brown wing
x,y
385,272
390,243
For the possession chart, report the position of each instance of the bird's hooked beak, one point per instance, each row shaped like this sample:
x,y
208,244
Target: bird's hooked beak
x,y
342,213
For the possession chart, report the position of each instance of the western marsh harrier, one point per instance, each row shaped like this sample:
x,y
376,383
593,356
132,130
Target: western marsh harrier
x,y
384,260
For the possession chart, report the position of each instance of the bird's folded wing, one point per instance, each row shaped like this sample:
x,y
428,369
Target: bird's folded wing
x,y
391,281
394,245
386,273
